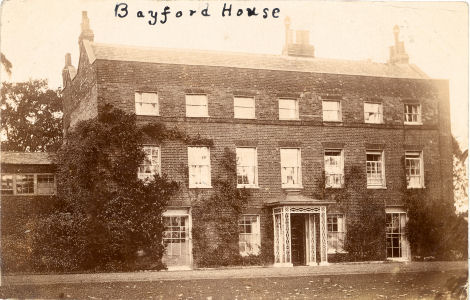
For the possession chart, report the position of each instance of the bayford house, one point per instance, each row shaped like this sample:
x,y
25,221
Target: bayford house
x,y
308,133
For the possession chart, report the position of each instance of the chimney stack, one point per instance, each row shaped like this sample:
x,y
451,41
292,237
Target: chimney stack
x,y
398,54
301,46
69,71
87,33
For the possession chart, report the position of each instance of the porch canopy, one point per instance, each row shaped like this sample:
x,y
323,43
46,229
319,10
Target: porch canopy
x,y
314,212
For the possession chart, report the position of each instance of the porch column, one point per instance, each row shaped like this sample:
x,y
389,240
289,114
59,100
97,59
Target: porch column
x,y
323,237
282,237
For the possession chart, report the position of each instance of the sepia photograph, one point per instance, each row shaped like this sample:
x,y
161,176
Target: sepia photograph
x,y
234,149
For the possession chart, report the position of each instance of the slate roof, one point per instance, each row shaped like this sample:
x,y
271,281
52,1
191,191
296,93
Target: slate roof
x,y
27,158
250,61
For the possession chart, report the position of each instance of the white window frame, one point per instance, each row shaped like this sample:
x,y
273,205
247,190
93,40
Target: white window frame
x,y
240,171
411,114
336,179
35,191
336,237
140,102
155,167
204,111
295,109
394,233
12,184
371,165
239,109
249,243
196,168
414,156
284,174
339,111
379,113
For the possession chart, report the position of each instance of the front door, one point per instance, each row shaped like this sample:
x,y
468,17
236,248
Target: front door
x,y
298,239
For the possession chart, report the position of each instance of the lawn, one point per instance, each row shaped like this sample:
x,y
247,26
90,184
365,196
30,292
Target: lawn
x,y
429,285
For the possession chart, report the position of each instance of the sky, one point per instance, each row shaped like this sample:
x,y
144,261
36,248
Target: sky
x,y
36,34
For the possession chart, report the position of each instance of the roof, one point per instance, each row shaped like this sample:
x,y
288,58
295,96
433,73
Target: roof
x,y
27,158
250,61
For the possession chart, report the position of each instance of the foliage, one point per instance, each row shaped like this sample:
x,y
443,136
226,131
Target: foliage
x,y
31,117
460,178
215,225
6,63
106,218
433,228
365,234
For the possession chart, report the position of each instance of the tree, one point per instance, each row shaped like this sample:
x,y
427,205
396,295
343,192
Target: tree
x,y
106,218
460,178
6,63
31,117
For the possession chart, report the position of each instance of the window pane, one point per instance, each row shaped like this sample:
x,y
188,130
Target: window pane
x,y
290,167
249,235
45,184
7,184
331,111
25,184
244,112
151,164
288,109
199,166
196,106
244,102
146,104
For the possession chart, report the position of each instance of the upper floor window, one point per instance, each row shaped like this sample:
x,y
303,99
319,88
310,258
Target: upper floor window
x,y
334,169
291,173
247,169
375,169
414,169
151,164
288,109
196,106
146,104
199,167
244,107
249,235
412,113
373,113
28,184
331,110
336,232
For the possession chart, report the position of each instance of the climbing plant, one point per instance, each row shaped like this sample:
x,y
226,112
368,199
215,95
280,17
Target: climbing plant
x,y
215,220
105,218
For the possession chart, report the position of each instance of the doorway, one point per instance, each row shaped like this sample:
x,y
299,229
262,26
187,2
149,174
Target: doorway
x,y
298,239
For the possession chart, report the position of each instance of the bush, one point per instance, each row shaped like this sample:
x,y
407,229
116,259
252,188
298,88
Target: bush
x,y
105,217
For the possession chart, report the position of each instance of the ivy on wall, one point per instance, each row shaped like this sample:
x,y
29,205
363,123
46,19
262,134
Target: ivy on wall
x,y
106,218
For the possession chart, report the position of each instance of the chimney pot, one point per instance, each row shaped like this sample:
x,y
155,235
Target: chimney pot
x,y
87,33
68,59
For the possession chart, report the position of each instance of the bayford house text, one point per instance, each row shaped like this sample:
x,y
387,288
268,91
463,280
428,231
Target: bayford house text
x,y
162,16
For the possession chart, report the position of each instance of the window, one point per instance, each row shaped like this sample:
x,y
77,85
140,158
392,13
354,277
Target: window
x,y
196,106
291,168
25,184
288,109
247,170
175,235
375,169
249,235
46,184
336,233
146,104
332,111
412,114
414,169
244,107
373,113
199,167
151,164
334,169
397,244
7,184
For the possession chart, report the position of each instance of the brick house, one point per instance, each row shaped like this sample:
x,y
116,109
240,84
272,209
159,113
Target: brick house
x,y
303,129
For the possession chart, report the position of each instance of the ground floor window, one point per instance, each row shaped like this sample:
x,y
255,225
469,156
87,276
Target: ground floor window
x,y
249,235
397,245
336,233
176,237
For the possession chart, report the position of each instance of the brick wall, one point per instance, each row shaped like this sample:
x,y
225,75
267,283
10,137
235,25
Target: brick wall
x,y
116,83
